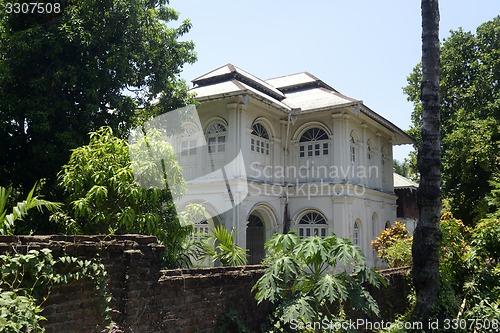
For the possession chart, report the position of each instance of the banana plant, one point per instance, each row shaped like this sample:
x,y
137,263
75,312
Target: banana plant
x,y
21,209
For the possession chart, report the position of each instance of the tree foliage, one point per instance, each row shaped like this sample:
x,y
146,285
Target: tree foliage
x,y
405,169
470,110
94,63
469,270
313,278
104,197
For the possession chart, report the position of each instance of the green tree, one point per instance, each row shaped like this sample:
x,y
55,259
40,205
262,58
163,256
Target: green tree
x,y
313,279
67,73
104,196
427,235
470,110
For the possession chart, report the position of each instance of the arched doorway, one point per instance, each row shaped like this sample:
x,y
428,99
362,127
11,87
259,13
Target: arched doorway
x,y
255,239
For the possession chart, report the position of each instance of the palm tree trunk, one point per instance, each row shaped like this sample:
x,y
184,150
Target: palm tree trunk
x,y
428,234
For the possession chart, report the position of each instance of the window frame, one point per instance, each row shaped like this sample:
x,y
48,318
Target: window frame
x,y
260,142
312,223
314,142
216,138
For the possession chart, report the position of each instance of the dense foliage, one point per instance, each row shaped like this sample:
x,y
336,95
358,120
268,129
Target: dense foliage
x,y
103,196
470,113
314,279
65,74
469,270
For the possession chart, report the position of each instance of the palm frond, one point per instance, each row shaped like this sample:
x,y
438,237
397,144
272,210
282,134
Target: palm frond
x,y
20,210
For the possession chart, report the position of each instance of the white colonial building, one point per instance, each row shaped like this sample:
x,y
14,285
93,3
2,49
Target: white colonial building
x,y
316,161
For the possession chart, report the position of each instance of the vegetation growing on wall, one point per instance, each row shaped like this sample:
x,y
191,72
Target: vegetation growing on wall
x,y
26,281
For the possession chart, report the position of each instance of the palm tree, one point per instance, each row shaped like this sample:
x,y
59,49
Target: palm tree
x,y
427,234
20,210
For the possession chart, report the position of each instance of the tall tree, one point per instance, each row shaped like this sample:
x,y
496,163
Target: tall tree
x,y
86,64
427,234
470,109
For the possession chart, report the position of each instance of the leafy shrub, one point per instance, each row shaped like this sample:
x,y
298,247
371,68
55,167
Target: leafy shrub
x,y
486,238
455,248
394,245
398,253
313,279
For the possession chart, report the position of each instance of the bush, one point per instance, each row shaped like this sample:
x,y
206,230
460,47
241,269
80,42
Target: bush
x,y
393,245
315,279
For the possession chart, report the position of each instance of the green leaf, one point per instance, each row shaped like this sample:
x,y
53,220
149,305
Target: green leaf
x,y
331,288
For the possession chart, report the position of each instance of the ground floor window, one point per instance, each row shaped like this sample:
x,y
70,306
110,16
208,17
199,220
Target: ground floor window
x,y
312,224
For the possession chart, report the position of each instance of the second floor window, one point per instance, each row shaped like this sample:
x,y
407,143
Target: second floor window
x,y
353,150
188,142
216,137
313,143
259,141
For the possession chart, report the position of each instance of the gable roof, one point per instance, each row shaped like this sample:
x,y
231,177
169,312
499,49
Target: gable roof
x,y
297,81
231,72
296,93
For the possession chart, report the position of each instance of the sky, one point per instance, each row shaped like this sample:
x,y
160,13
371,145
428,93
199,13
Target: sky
x,y
365,49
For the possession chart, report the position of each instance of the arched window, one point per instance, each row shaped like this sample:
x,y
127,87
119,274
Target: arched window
x,y
312,224
353,149
383,156
259,142
201,227
384,162
369,152
387,225
188,140
375,226
313,142
216,136
356,234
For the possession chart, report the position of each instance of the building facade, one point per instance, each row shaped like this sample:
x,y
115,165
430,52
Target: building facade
x,y
315,161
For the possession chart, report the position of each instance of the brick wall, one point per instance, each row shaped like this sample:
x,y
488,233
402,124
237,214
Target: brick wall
x,y
146,299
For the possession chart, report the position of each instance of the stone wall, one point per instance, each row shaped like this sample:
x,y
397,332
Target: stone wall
x,y
147,299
